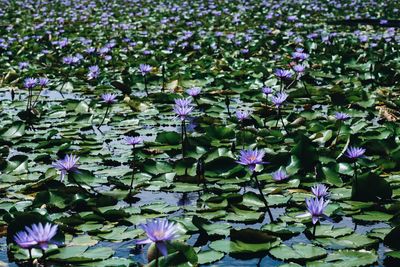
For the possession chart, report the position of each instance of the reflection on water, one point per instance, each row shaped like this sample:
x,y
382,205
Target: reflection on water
x,y
5,94
127,249
3,254
173,199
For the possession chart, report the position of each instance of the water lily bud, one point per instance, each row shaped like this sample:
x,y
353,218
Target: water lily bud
x,y
152,252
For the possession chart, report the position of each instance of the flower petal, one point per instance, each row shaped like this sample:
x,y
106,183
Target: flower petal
x,y
162,247
144,241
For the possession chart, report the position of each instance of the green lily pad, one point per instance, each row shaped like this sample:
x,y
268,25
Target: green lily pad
x,y
350,258
354,241
373,216
284,229
298,252
209,256
81,254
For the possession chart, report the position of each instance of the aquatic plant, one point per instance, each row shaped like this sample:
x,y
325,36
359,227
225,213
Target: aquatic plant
x,y
280,175
108,99
354,153
67,165
144,70
183,107
159,232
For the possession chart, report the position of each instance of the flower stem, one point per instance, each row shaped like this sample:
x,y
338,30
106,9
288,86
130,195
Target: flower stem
x,y
263,197
197,102
62,87
163,78
105,115
157,256
281,119
30,257
145,86
305,88
290,85
242,133
283,124
227,102
64,82
355,174
44,258
80,186
28,103
338,133
183,138
133,171
184,142
314,229
37,98
184,129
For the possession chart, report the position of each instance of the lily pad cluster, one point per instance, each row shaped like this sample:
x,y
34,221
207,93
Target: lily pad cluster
x,y
187,133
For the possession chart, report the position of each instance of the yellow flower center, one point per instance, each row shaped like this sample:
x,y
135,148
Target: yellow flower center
x,y
158,234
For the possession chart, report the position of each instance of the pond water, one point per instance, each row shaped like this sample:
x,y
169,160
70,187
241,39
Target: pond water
x,y
193,123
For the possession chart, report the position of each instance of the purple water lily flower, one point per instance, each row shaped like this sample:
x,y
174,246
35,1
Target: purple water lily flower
x,y
30,83
315,208
159,231
108,98
23,65
342,116
280,175
69,60
183,102
266,90
299,69
145,69
363,38
279,98
94,72
183,111
251,158
320,190
133,140
42,234
90,50
66,165
283,74
299,54
354,153
194,92
43,81
24,240
242,115
183,107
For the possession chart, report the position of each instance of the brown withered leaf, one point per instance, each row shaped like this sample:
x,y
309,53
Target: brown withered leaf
x,y
152,151
221,92
297,191
388,113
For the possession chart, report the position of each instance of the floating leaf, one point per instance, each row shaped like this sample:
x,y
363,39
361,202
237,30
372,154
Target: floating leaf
x,y
298,252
